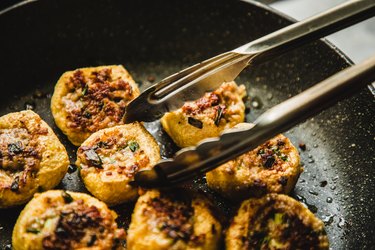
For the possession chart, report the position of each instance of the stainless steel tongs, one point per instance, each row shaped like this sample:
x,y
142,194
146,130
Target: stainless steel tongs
x,y
193,82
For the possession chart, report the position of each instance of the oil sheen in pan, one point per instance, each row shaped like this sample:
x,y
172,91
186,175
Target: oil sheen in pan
x,y
316,189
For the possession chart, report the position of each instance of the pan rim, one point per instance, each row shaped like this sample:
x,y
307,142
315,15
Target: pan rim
x,y
263,6
252,2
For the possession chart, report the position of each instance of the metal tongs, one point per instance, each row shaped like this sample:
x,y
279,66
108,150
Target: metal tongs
x,y
191,83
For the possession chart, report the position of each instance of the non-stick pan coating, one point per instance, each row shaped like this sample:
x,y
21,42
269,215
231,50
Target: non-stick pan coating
x,y
42,39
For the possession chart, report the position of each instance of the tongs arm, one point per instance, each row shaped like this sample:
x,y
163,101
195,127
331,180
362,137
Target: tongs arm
x,y
193,161
191,83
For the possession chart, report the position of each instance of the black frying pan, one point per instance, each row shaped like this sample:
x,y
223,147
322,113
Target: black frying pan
x,y
41,40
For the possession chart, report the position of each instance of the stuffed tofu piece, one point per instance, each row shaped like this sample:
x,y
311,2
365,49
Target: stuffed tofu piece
x,y
62,220
273,167
89,99
207,116
109,159
31,158
173,220
275,221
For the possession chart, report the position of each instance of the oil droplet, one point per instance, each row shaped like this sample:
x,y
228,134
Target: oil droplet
x,y
341,223
256,103
8,247
269,96
311,160
327,219
315,145
29,105
333,187
329,199
313,192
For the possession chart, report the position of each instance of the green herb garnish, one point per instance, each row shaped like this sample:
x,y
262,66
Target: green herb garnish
x,y
260,151
94,158
195,123
85,89
219,115
284,157
67,197
32,230
15,148
133,145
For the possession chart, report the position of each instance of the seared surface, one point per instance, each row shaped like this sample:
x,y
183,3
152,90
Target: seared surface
x,y
273,167
173,219
31,157
109,159
207,116
89,99
66,220
275,222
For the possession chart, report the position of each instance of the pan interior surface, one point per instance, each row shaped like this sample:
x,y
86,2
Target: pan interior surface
x,y
43,39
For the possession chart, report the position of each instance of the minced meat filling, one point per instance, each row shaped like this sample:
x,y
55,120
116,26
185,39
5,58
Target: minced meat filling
x,y
209,105
97,101
173,215
273,153
216,105
275,229
20,156
73,225
115,155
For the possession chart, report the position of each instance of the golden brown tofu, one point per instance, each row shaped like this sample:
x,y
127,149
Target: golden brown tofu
x,y
273,167
275,221
173,220
89,99
31,158
207,116
61,220
109,159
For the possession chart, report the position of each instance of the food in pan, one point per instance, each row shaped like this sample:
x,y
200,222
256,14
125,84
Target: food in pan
x,y
275,221
62,220
109,159
272,167
89,99
173,220
207,116
31,158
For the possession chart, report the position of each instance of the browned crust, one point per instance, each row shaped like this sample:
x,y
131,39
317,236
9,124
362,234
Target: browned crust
x,y
256,225
207,116
273,167
173,220
109,159
89,99
32,157
64,220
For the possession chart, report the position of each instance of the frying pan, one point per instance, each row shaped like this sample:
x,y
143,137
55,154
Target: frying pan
x,y
152,39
